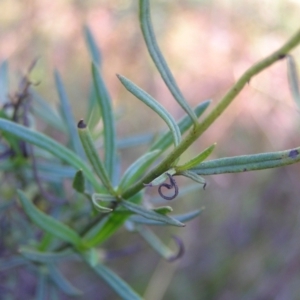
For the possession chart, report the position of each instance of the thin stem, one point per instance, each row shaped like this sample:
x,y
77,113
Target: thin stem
x,y
214,114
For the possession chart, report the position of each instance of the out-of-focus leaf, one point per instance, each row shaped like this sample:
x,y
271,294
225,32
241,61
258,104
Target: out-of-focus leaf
x,y
41,288
4,82
194,176
92,155
108,225
98,198
46,257
184,124
154,105
159,61
79,182
92,46
67,116
293,79
150,214
161,178
59,279
116,283
45,111
137,169
134,141
181,218
48,223
11,262
51,146
109,130
163,210
197,159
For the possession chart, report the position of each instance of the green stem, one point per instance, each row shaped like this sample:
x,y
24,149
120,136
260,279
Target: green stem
x,y
214,114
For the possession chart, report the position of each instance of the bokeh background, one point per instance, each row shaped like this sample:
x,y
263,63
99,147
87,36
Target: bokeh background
x,y
246,244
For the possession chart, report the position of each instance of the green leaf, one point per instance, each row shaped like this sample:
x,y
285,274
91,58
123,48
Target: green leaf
x,y
92,155
136,140
293,79
68,116
155,243
41,289
45,111
184,124
161,178
98,198
116,283
48,223
108,225
194,176
104,103
12,262
150,214
196,160
92,46
245,163
163,210
51,146
154,105
181,218
46,257
79,182
4,82
159,61
59,279
137,169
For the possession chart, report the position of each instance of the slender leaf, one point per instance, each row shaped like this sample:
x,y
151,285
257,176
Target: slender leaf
x,y
245,163
158,59
68,116
4,82
79,182
181,218
136,140
98,198
163,210
293,79
116,283
150,214
92,46
46,257
11,262
92,155
46,112
59,279
137,169
197,159
51,146
41,289
104,103
48,223
161,178
108,225
184,124
154,105
194,176
155,243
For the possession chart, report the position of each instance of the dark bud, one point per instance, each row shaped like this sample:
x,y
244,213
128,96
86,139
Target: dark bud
x,y
81,124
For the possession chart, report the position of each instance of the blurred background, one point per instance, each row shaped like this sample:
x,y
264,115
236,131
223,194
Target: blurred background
x,y
246,244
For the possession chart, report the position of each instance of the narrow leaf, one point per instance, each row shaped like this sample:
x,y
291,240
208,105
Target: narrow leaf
x,y
12,262
79,182
293,79
159,246
161,178
59,279
41,289
197,159
154,105
92,46
150,214
49,145
46,257
68,115
4,82
137,169
116,283
163,210
181,218
48,223
194,176
184,124
245,163
158,59
92,155
98,198
104,103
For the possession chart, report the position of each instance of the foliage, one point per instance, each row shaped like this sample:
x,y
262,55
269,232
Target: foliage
x,y
102,203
